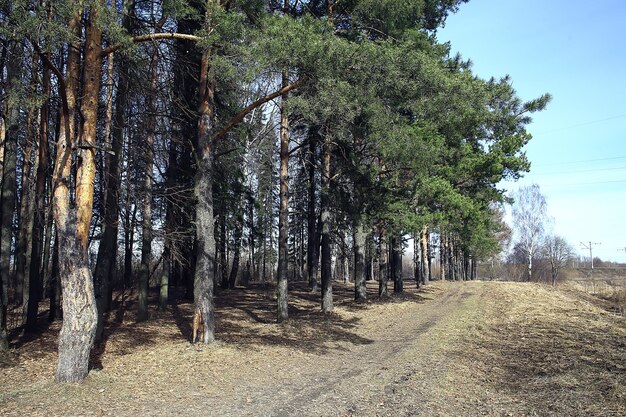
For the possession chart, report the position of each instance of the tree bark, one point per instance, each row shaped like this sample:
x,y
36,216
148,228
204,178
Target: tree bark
x,y
383,264
396,264
205,238
327,283
424,255
41,232
283,215
360,238
232,278
8,185
146,229
79,306
23,248
312,228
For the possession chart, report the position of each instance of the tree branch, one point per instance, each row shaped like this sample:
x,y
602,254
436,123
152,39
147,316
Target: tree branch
x,y
236,119
151,37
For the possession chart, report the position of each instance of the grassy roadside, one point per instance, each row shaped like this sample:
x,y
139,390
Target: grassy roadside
x,y
547,352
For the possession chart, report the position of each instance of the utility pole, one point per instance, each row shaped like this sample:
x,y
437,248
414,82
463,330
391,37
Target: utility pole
x,y
589,246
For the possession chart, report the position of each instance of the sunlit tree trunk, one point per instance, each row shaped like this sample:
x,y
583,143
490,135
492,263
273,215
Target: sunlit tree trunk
x,y
79,306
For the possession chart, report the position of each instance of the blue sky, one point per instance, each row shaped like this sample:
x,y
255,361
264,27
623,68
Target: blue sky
x,y
576,51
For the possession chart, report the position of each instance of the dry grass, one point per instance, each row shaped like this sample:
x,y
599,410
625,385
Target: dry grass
x,y
551,353
463,349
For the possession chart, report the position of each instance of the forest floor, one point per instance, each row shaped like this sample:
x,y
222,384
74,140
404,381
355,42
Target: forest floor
x,y
450,349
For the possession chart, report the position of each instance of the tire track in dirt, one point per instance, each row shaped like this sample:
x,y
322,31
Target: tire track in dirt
x,y
356,381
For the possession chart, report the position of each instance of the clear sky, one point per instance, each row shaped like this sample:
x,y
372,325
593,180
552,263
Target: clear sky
x,y
576,51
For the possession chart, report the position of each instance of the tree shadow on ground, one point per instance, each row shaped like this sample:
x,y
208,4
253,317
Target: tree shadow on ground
x,y
244,316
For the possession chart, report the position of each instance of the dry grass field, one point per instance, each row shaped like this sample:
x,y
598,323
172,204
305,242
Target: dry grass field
x,y
450,349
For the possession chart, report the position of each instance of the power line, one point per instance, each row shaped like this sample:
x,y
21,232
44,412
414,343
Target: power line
x,y
590,122
577,171
582,161
583,183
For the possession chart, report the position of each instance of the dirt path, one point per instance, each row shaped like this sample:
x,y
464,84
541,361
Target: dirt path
x,y
452,349
365,379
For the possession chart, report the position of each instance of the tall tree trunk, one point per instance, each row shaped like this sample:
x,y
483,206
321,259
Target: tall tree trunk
x,y
396,264
429,257
41,238
442,262
283,215
327,282
106,260
312,238
8,185
168,243
424,255
360,238
232,278
205,238
383,264
417,266
23,248
79,306
146,229
222,264
55,285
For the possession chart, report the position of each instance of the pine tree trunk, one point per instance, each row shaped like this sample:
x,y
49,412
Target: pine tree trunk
x,y
8,186
442,262
79,306
417,266
312,237
424,255
205,238
283,216
383,264
232,278
106,261
166,273
23,248
360,238
327,283
223,264
38,267
55,285
429,257
146,225
396,264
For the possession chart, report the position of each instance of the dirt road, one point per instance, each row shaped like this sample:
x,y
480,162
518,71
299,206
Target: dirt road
x,y
452,349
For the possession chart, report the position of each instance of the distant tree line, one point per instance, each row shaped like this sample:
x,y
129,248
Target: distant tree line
x,y
205,144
